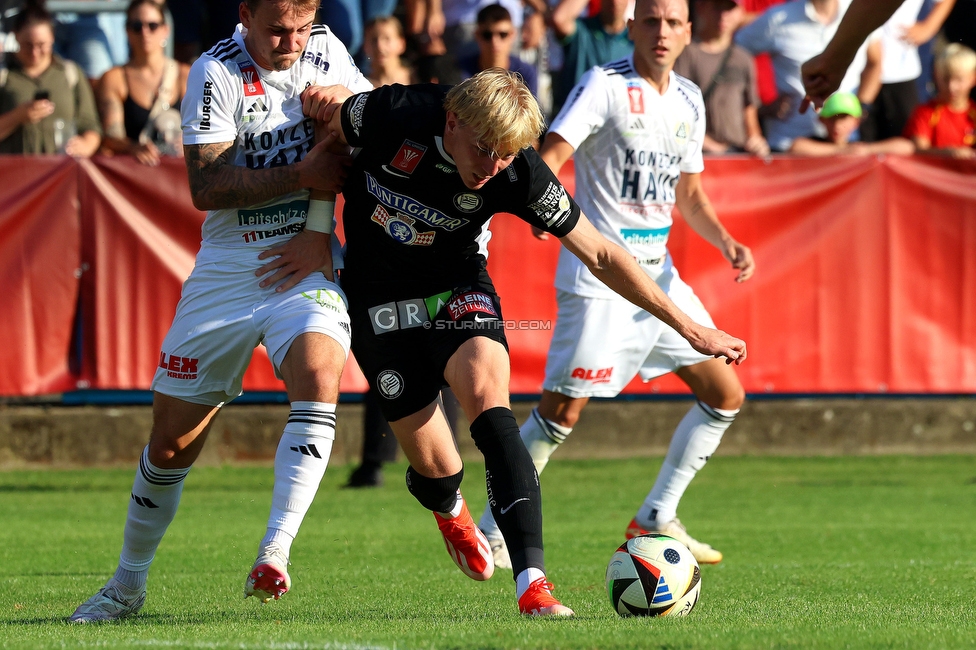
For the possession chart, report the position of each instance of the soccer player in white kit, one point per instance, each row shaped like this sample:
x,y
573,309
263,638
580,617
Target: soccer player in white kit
x,y
251,161
637,130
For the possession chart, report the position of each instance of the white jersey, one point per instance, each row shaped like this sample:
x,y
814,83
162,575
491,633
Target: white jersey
x,y
229,98
632,144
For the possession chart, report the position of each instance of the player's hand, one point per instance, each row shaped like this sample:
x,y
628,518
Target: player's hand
x,y
821,76
741,258
539,233
320,102
718,344
293,261
322,169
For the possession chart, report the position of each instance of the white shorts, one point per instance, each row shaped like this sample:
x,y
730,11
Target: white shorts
x,y
600,344
223,315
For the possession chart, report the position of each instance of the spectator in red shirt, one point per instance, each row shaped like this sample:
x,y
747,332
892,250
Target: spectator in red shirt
x,y
947,124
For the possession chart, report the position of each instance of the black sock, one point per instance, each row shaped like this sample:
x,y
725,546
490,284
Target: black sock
x,y
513,486
436,494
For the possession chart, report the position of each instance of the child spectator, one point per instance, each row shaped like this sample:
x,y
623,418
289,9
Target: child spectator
x,y
841,116
384,44
946,124
725,73
496,35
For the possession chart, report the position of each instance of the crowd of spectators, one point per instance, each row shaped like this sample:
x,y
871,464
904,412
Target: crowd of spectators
x,y
745,57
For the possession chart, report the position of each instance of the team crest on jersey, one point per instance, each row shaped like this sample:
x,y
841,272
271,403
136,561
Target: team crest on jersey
x,y
635,95
252,82
400,228
467,202
681,132
408,156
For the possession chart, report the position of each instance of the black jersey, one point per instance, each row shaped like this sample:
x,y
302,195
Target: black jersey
x,y
411,225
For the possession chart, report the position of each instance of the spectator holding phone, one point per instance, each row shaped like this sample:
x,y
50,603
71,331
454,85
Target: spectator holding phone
x,y
46,103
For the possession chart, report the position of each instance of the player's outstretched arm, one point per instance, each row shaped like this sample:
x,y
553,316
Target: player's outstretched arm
x,y
823,73
698,212
613,266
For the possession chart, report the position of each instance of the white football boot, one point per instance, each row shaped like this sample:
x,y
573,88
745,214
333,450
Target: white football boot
x,y
269,576
704,553
112,602
499,552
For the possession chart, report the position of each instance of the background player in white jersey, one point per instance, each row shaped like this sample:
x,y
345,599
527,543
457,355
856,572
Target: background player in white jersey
x,y
251,161
637,130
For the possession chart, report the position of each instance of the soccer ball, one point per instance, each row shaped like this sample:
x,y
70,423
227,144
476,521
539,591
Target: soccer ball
x,y
653,575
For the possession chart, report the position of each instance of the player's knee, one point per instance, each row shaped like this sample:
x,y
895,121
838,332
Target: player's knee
x,y
435,494
733,398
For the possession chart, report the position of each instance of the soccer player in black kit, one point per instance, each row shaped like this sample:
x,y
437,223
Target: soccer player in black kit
x,y
434,165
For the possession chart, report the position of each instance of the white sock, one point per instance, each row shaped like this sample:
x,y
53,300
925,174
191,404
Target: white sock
x,y
152,505
526,578
694,441
541,437
300,463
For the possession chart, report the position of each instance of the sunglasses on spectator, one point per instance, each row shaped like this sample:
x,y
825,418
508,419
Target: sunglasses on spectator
x,y
136,26
488,35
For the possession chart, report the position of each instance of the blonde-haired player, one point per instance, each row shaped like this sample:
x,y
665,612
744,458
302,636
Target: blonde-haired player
x,y
433,167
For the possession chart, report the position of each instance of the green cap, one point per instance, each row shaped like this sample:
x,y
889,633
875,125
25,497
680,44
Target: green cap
x,y
841,104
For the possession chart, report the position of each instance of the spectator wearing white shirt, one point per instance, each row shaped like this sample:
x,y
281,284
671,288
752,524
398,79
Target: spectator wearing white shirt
x,y
792,33
901,66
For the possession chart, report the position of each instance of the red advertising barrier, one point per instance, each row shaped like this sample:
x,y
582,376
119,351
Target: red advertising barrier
x,y
863,281
40,261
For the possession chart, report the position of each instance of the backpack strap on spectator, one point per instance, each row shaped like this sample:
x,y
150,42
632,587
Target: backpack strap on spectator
x,y
718,74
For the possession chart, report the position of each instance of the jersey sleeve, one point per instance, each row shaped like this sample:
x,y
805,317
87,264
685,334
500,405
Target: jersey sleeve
x,y
692,162
210,107
366,116
548,206
342,64
586,109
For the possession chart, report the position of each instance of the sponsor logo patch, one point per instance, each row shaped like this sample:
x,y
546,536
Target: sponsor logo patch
x,y
635,95
327,298
178,367
403,204
400,228
599,376
406,314
390,384
408,156
471,302
251,80
356,112
553,206
645,236
467,201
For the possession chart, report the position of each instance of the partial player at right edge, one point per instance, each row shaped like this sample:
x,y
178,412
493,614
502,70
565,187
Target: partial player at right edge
x,y
637,130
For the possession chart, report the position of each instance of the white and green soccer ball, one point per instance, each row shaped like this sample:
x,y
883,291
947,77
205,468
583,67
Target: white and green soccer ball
x,y
653,575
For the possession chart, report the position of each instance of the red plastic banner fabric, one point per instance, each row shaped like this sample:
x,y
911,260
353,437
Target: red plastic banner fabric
x,y
865,282
40,257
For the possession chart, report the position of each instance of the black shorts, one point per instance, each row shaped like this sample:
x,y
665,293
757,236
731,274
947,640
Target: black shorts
x,y
403,346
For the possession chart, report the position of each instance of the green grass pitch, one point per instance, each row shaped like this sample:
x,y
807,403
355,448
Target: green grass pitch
x,y
863,552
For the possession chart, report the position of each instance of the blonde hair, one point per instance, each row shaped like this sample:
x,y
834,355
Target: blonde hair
x,y
955,56
499,107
